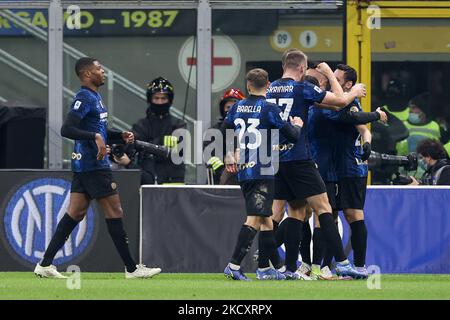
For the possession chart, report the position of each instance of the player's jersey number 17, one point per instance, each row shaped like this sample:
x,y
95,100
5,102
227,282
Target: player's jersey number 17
x,y
285,103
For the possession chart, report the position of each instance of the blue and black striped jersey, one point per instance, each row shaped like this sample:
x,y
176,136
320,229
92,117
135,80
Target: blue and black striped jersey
x,y
294,99
87,105
253,120
321,132
347,143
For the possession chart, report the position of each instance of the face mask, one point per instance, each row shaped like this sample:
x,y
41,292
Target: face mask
x,y
414,118
422,164
160,109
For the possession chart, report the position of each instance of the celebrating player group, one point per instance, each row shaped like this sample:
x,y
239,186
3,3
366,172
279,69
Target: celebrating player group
x,y
318,162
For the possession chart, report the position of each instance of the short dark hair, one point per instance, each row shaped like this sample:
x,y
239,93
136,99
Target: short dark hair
x,y
257,78
83,63
349,73
292,58
431,148
422,101
312,80
312,64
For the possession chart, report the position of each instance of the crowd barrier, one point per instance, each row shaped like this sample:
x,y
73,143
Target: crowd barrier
x,y
31,203
194,228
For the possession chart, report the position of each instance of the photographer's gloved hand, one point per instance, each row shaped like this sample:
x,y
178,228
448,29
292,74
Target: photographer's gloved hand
x,y
170,141
367,149
215,163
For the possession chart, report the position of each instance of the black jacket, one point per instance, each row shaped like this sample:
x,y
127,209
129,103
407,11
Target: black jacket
x,y
435,176
152,129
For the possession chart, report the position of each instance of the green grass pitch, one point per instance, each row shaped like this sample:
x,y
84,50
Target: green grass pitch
x,y
24,285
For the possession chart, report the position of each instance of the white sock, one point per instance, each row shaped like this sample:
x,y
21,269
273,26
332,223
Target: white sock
x,y
263,269
282,269
344,262
234,266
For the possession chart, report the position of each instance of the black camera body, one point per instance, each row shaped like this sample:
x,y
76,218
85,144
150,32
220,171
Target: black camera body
x,y
401,180
118,150
389,165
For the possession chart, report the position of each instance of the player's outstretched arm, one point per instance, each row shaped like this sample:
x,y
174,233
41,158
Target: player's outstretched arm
x,y
334,97
362,117
357,91
331,99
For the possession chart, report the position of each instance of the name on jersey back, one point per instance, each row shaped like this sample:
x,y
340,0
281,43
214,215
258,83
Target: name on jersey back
x,y
248,109
280,89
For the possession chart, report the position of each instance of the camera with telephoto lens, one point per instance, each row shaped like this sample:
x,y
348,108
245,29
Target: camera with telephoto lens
x,y
118,150
147,147
391,163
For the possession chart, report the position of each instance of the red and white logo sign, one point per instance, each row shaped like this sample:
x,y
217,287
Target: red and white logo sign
x,y
225,62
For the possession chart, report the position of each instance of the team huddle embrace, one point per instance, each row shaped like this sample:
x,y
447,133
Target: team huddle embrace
x,y
318,165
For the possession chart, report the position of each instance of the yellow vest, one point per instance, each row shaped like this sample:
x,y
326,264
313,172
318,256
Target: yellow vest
x,y
402,115
447,147
417,133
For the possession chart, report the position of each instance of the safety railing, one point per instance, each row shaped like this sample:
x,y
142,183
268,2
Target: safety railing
x,y
76,54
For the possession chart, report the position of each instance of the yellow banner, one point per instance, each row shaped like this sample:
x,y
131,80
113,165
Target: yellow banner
x,y
389,39
308,39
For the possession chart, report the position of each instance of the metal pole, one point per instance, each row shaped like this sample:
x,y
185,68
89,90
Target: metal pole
x,y
204,87
55,84
111,98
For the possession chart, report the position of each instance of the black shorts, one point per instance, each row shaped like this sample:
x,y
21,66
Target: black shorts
x,y
298,180
352,193
332,190
94,184
258,195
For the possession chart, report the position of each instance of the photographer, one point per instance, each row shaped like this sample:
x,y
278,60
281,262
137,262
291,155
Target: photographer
x,y
436,161
157,128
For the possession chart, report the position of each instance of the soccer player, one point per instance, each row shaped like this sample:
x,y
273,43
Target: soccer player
x,y
351,166
298,181
86,123
253,120
326,145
